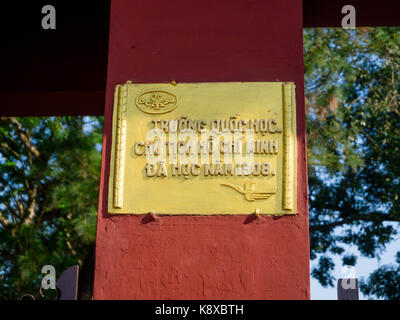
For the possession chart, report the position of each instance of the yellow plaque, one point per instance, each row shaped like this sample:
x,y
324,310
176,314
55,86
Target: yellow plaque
x,y
204,149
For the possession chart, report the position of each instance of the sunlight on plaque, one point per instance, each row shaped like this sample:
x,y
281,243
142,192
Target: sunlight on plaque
x,y
204,149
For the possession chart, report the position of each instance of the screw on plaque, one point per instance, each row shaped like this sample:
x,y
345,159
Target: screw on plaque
x,y
153,215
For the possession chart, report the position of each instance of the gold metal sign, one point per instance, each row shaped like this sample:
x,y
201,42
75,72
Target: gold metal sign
x,y
204,149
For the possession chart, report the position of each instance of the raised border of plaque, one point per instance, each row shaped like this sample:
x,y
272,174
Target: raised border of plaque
x,y
158,163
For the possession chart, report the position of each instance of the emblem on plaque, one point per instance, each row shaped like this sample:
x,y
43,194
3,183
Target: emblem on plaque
x,y
249,191
156,102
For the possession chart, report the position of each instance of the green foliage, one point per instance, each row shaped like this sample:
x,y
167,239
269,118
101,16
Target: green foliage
x,y
349,260
385,282
353,127
49,184
322,273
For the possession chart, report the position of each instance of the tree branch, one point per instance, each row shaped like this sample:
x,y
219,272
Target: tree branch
x,y
4,221
22,135
32,206
6,146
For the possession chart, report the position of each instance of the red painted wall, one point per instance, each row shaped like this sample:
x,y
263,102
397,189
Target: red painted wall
x,y
204,257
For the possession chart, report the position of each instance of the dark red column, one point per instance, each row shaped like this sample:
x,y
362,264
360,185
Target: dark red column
x,y
204,257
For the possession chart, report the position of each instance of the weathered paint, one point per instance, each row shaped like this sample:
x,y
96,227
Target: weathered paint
x,y
204,257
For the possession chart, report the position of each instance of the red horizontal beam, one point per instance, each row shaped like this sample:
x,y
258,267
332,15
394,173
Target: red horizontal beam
x,y
71,61
60,103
